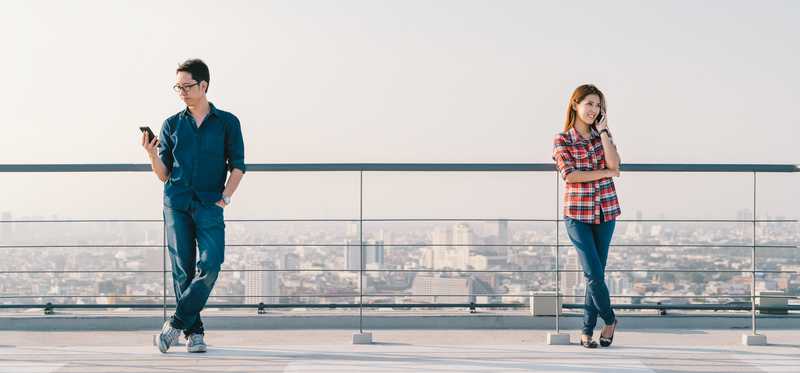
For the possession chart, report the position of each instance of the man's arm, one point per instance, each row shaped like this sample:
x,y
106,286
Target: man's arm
x,y
233,182
158,166
234,154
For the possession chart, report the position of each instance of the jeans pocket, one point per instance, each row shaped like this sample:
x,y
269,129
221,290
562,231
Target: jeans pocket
x,y
218,208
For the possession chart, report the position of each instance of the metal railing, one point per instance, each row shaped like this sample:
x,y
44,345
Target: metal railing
x,y
361,168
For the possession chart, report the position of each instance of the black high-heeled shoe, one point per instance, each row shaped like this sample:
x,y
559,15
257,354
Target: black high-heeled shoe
x,y
588,343
606,341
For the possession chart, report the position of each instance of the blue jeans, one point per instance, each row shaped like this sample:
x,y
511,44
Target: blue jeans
x,y
200,229
591,242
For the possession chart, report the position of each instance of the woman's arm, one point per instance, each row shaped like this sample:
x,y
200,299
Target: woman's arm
x,y
565,164
610,150
585,176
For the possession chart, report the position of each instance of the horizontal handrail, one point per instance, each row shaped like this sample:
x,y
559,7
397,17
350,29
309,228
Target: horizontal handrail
x,y
415,167
302,220
739,306
562,270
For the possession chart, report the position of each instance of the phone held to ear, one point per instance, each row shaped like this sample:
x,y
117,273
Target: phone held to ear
x,y
599,118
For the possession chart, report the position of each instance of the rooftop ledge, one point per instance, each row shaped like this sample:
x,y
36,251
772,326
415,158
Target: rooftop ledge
x,y
126,320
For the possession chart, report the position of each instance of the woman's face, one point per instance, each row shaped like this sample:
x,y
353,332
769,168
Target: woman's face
x,y
588,108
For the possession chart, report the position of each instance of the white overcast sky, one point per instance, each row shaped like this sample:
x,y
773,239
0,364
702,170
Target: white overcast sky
x,y
402,81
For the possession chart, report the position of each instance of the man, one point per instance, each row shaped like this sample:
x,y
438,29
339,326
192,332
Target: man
x,y
192,156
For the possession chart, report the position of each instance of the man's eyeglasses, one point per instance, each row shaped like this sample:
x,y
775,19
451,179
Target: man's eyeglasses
x,y
183,88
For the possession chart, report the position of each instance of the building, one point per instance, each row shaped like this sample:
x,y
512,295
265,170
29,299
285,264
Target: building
x,y
572,281
352,255
450,248
431,289
261,284
373,254
6,229
291,262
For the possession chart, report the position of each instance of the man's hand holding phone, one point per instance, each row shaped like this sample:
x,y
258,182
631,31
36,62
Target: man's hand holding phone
x,y
149,141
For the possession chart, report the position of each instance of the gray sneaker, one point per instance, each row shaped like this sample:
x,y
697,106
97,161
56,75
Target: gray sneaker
x,y
195,343
167,337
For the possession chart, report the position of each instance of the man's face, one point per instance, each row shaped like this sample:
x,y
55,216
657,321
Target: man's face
x,y
189,90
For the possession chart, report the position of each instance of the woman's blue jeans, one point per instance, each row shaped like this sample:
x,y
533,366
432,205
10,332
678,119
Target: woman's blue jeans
x,y
592,241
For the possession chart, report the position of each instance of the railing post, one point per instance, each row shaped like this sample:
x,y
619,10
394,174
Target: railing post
x,y
754,339
361,252
558,262
164,265
361,337
558,338
753,273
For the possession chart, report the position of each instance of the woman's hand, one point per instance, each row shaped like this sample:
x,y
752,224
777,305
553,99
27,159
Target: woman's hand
x,y
603,125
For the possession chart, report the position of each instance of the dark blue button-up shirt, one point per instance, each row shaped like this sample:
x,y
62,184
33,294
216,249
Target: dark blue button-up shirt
x,y
198,159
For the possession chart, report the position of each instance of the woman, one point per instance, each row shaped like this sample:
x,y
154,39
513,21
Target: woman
x,y
587,159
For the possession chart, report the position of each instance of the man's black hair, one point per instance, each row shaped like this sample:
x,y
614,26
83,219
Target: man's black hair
x,y
198,69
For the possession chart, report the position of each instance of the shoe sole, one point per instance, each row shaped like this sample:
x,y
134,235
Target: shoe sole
x,y
163,346
196,349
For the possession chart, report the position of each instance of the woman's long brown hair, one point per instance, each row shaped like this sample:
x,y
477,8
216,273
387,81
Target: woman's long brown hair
x,y
577,96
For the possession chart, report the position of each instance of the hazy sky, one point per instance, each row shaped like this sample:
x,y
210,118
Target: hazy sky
x,y
397,81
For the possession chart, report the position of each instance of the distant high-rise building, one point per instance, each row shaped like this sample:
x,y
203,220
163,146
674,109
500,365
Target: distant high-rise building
x,y
451,248
618,285
111,287
639,224
440,236
261,284
353,255
571,282
353,230
428,259
503,239
291,261
502,232
6,229
744,215
462,239
373,253
431,289
462,235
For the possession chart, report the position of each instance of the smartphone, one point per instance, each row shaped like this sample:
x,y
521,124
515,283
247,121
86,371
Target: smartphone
x,y
150,135
599,118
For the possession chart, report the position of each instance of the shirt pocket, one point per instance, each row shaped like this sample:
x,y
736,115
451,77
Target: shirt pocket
x,y
212,142
583,160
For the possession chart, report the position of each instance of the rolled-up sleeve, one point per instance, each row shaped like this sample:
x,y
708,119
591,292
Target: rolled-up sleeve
x,y
234,146
565,163
165,146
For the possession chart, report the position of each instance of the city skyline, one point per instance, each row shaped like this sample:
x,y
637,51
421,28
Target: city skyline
x,y
441,263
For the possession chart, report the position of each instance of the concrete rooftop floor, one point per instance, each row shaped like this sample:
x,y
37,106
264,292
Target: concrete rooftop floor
x,y
399,351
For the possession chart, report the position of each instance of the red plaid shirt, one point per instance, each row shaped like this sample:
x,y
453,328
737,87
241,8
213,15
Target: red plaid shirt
x,y
583,201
